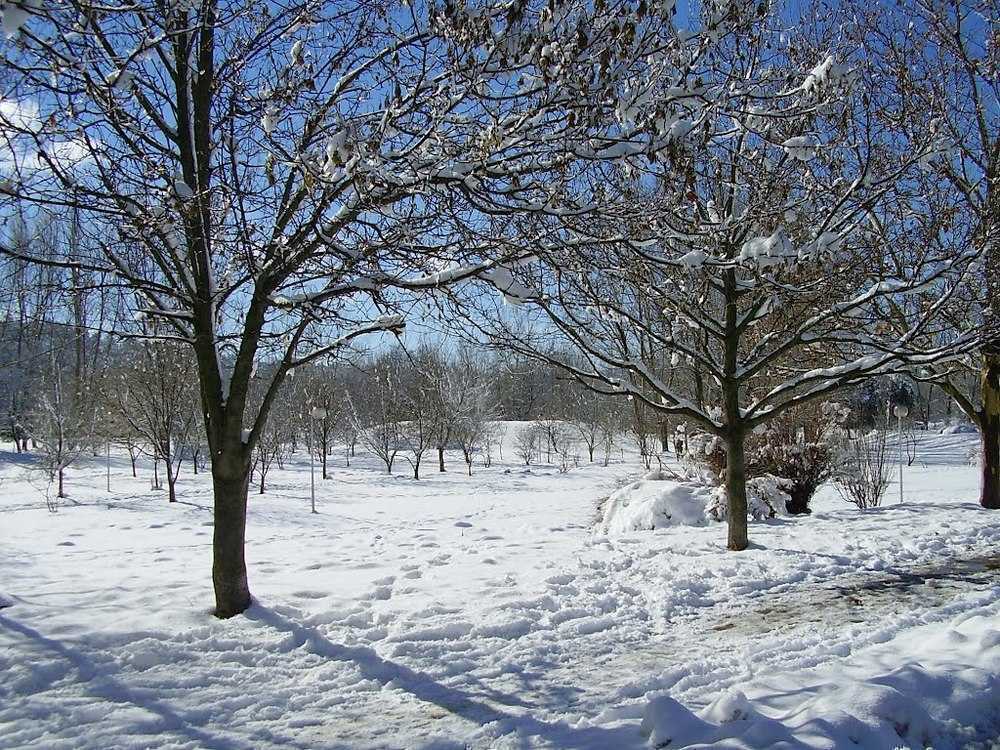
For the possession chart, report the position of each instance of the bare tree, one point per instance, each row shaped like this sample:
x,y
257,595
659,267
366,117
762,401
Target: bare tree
x,y
269,177
494,433
939,81
420,405
471,402
377,411
268,449
60,424
777,222
154,394
324,398
526,442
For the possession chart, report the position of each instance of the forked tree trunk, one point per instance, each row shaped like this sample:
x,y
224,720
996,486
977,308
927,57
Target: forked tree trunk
x,y
990,426
229,570
168,464
171,482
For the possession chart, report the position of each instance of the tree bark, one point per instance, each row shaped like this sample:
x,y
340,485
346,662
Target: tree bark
x,y
440,458
736,490
171,482
990,426
735,434
229,570
168,462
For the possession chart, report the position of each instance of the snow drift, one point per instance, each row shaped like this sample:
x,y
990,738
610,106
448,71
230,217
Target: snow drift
x,y
934,686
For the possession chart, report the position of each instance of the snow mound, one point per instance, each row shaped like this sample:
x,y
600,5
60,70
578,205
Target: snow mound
x,y
933,686
962,428
660,500
655,502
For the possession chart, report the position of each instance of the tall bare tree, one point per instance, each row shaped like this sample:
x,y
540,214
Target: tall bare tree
x,y
938,72
268,178
759,246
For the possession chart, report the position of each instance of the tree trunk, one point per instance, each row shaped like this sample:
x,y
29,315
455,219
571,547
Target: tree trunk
x,y
229,570
736,491
324,460
171,481
736,477
62,490
441,458
799,502
990,426
416,469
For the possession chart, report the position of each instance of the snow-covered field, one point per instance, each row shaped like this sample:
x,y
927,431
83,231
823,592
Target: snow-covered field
x,y
484,612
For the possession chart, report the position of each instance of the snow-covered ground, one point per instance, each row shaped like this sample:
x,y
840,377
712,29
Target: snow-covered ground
x,y
484,612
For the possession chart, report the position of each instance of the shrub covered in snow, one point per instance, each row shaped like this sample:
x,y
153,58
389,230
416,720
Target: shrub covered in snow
x,y
661,499
800,446
767,497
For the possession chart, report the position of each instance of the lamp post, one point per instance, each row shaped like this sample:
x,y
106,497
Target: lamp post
x,y
316,413
901,411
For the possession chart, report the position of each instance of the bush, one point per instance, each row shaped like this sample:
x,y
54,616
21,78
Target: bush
x,y
767,497
799,447
863,475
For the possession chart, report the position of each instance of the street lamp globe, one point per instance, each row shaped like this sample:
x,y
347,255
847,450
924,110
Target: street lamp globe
x,y
901,411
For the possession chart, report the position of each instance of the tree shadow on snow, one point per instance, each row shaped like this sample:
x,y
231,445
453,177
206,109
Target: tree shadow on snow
x,y
452,700
99,682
